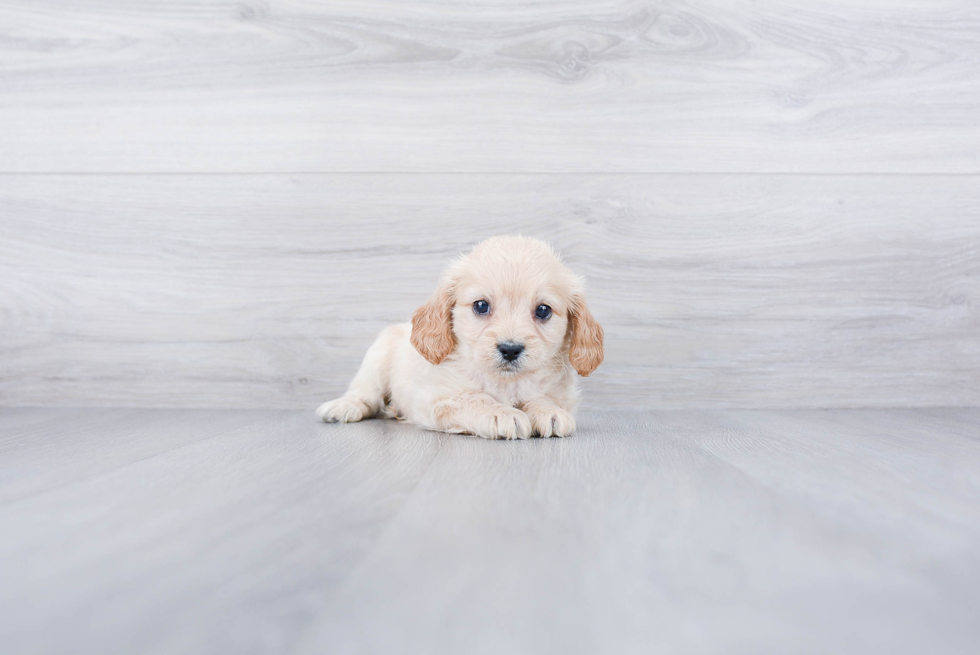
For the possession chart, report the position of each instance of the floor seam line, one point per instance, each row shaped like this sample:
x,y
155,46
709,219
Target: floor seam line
x,y
332,596
87,478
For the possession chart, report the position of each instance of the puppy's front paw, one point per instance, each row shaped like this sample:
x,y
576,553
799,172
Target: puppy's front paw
x,y
550,420
502,423
342,410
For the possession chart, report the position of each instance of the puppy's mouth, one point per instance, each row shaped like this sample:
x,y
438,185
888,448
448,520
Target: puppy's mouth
x,y
511,368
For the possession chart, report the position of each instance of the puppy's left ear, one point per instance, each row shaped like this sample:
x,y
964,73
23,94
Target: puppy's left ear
x,y
432,326
585,339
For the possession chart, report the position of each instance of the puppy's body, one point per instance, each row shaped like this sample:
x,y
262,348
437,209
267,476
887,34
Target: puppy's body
x,y
506,372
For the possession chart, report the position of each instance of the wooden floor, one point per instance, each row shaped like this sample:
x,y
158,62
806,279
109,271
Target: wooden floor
x,y
193,531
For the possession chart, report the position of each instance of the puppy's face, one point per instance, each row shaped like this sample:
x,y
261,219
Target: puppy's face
x,y
509,327
509,309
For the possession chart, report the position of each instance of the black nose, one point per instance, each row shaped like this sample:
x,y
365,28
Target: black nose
x,y
510,350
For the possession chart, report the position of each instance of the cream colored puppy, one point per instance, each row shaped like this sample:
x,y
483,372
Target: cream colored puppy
x,y
492,353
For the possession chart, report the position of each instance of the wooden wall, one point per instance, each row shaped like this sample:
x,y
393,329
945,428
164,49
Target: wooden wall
x,y
217,204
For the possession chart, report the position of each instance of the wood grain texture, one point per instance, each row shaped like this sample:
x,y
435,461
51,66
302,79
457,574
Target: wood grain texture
x,y
57,451
679,531
265,291
236,535
440,86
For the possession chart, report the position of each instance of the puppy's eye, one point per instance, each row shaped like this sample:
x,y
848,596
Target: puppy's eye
x,y
543,312
481,307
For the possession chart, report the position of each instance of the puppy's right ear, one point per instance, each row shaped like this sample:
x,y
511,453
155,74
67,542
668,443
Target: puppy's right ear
x,y
432,326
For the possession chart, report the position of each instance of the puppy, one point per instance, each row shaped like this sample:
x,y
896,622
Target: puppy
x,y
492,353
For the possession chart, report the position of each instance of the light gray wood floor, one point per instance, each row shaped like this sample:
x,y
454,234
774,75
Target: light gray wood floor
x,y
192,531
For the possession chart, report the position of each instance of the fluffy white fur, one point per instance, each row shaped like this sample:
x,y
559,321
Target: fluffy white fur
x,y
444,371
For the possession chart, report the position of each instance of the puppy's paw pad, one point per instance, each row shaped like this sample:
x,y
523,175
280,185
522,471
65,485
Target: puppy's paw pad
x,y
342,410
551,421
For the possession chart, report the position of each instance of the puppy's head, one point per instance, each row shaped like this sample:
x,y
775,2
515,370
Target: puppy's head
x,y
509,308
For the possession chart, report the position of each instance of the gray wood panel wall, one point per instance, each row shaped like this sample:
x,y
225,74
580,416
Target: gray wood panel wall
x,y
217,204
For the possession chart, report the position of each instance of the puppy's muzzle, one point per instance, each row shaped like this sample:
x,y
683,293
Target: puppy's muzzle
x,y
510,350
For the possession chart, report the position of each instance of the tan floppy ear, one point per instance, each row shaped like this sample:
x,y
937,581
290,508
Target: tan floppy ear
x,y
432,326
585,342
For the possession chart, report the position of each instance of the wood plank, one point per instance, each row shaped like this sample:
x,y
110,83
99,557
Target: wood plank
x,y
265,291
440,86
224,544
854,467
636,537
57,450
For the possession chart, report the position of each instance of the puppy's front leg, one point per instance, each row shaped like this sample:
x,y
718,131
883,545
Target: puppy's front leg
x,y
548,418
479,414
366,395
